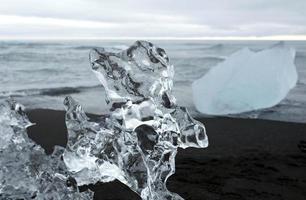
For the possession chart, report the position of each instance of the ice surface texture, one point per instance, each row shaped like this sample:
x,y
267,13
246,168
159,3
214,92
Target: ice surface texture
x,y
137,142
246,81
26,172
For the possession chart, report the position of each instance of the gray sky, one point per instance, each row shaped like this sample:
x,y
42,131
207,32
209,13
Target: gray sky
x,y
152,18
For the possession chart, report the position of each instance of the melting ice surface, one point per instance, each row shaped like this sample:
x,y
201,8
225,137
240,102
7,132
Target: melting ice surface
x,y
137,142
246,81
26,172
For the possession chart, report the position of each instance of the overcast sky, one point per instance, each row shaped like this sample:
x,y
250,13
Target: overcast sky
x,y
152,18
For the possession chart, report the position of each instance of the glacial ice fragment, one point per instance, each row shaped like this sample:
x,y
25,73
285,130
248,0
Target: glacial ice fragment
x,y
26,172
246,81
137,142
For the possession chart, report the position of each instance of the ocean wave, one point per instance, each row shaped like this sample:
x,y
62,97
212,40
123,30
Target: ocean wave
x,y
28,44
190,44
4,46
88,47
59,91
216,47
23,56
84,47
213,58
201,47
39,71
120,47
203,60
46,91
300,54
278,44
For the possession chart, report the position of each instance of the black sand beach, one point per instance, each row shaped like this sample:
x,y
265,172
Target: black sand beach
x,y
247,159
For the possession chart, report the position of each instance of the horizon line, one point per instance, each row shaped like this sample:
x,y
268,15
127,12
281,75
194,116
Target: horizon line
x,y
255,38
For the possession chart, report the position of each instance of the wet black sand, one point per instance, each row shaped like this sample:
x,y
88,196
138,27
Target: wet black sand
x,y
247,159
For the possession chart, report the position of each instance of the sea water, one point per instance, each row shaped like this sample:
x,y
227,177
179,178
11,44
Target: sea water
x,y
39,74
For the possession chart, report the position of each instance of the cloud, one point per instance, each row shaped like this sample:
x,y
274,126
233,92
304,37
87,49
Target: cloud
x,y
159,18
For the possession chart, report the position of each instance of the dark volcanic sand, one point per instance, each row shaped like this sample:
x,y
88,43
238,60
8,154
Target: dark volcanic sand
x,y
246,159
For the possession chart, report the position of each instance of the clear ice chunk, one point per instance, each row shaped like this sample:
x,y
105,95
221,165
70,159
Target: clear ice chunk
x,y
136,143
247,81
26,172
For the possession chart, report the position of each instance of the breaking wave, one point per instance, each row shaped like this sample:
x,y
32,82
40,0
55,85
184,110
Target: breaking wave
x,y
46,91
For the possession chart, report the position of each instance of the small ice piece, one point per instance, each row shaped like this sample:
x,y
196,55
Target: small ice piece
x,y
26,172
137,142
246,81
